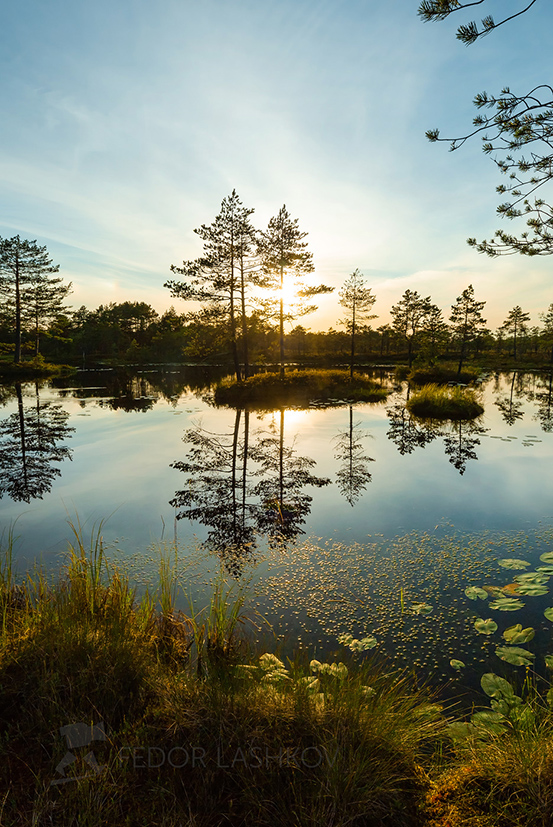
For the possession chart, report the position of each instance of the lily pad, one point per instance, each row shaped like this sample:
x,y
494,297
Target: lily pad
x,y
515,655
513,563
547,557
548,661
457,664
516,634
463,729
506,604
496,687
549,613
492,721
530,590
422,609
534,577
485,627
545,569
473,592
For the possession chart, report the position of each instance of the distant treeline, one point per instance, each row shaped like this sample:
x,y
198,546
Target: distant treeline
x,y
135,332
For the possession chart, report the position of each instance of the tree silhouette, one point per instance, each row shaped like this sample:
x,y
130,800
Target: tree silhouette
x,y
285,260
357,300
408,433
217,491
22,264
353,476
460,443
515,122
283,503
466,321
29,445
511,408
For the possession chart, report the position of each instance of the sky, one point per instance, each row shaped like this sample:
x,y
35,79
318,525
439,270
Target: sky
x,y
124,125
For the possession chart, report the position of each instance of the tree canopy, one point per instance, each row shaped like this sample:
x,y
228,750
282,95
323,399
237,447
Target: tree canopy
x,y
517,132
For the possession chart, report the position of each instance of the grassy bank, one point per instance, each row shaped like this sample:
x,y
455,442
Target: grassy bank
x,y
32,368
176,719
438,402
299,387
441,375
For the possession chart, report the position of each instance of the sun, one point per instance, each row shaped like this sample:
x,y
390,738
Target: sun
x,y
289,294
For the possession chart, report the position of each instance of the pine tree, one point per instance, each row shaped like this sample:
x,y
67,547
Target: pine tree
x,y
515,323
22,264
285,260
43,301
220,277
466,321
357,299
408,316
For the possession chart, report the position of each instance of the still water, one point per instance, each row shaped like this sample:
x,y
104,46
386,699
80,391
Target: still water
x,y
342,518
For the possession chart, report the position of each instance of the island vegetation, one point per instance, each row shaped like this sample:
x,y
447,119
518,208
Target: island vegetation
x,y
443,402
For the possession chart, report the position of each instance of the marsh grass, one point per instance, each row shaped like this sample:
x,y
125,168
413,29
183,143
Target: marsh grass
x,y
440,375
502,779
305,744
299,387
439,402
83,648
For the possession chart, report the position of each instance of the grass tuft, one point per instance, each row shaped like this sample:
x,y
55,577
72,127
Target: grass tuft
x,y
439,402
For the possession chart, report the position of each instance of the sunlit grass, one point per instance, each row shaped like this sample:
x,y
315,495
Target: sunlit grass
x,y
439,402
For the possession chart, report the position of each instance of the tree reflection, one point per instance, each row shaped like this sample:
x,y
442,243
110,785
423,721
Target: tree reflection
x,y
407,432
510,404
353,475
238,504
29,445
284,505
461,441
217,491
544,398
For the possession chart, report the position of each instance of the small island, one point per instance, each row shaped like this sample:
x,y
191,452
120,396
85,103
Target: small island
x,y
444,402
300,387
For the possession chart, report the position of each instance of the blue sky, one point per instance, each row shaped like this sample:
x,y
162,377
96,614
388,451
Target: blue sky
x,y
125,124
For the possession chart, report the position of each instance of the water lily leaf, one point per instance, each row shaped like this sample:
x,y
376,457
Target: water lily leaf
x,y
513,563
422,608
345,639
532,591
457,664
515,655
547,557
534,577
549,613
506,604
516,634
548,661
545,569
485,627
462,729
473,592
496,687
492,721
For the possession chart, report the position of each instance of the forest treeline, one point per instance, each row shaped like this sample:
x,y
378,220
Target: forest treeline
x,y
241,300
135,332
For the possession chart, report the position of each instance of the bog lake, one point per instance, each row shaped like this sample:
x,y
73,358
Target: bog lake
x,y
339,518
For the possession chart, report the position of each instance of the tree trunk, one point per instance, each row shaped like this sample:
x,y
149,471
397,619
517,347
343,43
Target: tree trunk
x,y
281,323
17,353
